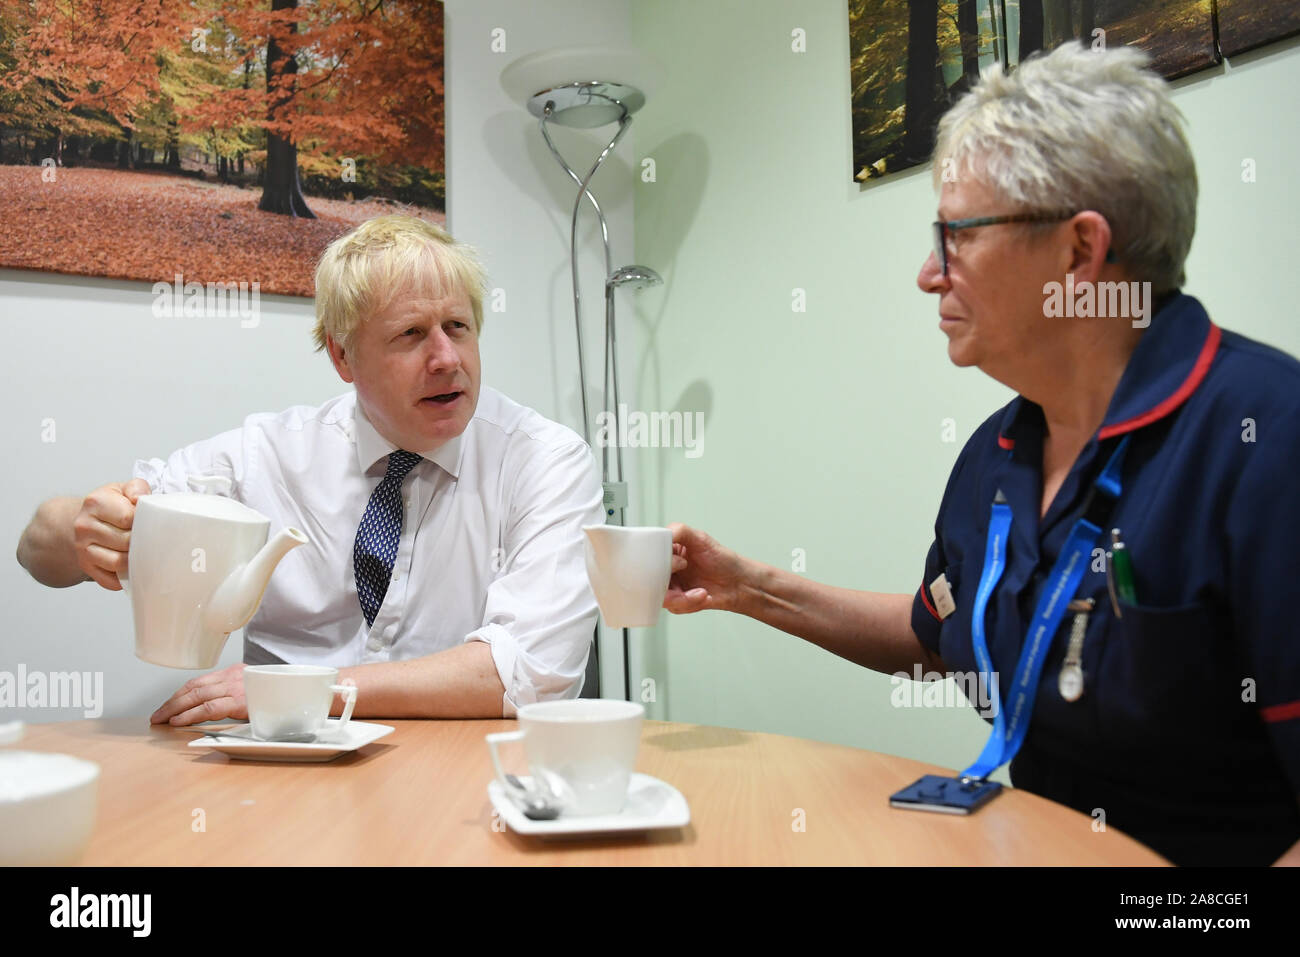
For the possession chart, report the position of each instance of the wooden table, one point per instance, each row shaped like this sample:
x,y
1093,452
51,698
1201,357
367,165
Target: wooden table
x,y
419,796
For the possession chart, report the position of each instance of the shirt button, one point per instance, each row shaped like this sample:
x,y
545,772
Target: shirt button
x,y
397,576
374,644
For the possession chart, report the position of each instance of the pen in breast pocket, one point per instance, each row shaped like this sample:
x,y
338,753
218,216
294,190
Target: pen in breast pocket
x,y
1122,565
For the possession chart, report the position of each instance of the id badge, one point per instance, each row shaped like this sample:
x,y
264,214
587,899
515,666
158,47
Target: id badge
x,y
945,795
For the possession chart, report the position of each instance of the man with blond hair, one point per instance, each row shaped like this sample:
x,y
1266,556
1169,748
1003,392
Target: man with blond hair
x,y
445,572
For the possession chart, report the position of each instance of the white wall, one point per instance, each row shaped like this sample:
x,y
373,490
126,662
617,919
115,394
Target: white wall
x,y
508,196
120,384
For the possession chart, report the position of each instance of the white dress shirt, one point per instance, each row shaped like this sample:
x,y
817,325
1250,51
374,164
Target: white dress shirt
x,y
491,547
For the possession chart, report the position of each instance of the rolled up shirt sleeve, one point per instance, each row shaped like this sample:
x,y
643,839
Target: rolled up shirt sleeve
x,y
214,465
540,615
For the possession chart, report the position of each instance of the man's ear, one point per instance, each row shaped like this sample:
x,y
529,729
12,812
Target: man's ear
x,y
339,358
1091,238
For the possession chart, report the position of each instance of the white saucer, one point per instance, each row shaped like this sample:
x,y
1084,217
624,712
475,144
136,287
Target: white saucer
x,y
238,742
651,804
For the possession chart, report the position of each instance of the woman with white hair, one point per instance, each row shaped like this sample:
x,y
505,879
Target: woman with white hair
x,y
1112,552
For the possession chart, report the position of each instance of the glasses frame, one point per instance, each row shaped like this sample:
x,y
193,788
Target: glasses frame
x,y
943,228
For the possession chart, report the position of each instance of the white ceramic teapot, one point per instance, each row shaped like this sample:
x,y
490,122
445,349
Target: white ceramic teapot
x,y
199,565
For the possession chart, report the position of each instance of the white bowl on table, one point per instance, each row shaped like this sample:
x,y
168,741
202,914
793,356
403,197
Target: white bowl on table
x,y
47,807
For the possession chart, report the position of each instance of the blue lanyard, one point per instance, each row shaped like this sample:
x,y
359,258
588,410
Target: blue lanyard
x,y
1011,720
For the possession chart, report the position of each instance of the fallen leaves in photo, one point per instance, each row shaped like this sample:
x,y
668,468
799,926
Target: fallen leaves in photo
x,y
146,225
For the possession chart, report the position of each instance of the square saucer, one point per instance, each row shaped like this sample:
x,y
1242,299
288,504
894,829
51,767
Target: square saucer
x,y
652,804
238,742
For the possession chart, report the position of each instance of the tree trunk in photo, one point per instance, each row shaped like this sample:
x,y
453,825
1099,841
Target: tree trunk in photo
x,y
923,82
173,153
223,169
281,189
1058,22
124,152
969,29
1087,20
1031,27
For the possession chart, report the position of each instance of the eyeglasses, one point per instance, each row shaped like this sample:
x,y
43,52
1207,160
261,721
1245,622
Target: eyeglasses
x,y
942,229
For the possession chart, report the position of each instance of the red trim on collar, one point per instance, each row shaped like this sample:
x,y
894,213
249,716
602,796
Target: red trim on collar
x,y
1280,712
1194,379
926,599
1006,443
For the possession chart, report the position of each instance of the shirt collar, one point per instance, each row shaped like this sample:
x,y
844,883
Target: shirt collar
x,y
371,447
1171,359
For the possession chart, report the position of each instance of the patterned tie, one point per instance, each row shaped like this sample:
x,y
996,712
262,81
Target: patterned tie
x,y
375,550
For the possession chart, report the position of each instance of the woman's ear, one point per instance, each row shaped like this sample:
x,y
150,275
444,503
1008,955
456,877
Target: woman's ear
x,y
1091,238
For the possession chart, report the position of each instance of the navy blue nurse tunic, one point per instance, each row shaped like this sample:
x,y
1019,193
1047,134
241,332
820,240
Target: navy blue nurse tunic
x,y
1187,735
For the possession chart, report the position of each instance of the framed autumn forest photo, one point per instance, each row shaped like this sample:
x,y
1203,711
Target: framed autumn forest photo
x,y
221,142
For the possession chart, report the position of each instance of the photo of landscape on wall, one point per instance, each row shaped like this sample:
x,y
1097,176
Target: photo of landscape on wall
x,y
1246,24
223,142
1178,34
910,59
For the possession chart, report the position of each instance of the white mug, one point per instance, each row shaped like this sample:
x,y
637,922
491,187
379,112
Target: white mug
x,y
294,699
629,569
581,751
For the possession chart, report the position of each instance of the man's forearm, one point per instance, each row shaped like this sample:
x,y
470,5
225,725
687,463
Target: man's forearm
x,y
47,548
461,682
872,629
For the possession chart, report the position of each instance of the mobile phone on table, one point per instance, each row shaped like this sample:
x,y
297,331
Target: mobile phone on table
x,y
945,795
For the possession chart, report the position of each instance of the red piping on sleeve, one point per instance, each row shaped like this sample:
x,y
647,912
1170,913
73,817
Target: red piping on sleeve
x,y
925,598
1280,712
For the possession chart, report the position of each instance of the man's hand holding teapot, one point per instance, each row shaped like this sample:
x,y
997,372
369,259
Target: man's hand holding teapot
x,y
102,531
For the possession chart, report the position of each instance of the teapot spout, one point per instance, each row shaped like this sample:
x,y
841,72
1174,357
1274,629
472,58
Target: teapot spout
x,y
237,598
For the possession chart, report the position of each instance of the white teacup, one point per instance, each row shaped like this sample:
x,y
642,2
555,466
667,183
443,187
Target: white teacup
x,y
288,700
583,751
629,569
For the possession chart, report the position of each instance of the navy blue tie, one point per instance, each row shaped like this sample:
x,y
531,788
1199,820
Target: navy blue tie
x,y
375,550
